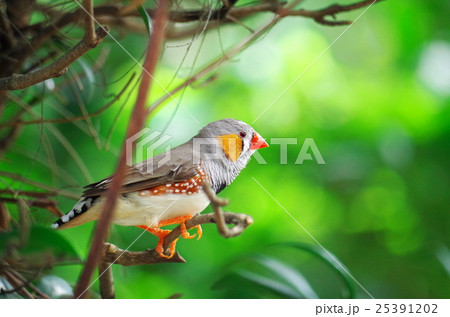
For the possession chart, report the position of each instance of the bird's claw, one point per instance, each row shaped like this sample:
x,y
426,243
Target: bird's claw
x,y
160,249
162,234
184,233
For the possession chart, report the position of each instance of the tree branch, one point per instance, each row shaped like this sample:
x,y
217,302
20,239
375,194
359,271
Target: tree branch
x,y
56,69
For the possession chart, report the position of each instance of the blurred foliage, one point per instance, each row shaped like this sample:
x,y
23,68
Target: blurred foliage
x,y
39,240
377,104
262,276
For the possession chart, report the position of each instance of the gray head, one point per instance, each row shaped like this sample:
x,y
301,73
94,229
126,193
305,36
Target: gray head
x,y
224,148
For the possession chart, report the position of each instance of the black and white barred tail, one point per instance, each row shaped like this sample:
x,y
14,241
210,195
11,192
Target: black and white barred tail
x,y
83,205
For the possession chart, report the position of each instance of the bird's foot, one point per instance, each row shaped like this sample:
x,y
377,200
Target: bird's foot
x,y
160,248
161,234
184,233
182,221
199,231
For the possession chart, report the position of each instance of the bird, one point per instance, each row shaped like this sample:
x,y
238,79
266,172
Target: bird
x,y
167,188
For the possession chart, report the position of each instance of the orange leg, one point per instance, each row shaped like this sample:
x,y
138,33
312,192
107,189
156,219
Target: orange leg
x,y
182,221
199,231
161,234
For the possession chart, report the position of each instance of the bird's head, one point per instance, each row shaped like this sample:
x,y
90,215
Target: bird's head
x,y
226,146
236,139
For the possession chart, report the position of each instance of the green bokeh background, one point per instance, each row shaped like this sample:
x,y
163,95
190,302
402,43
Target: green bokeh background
x,y
376,107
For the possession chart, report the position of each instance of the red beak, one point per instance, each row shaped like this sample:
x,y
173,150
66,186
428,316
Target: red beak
x,y
258,142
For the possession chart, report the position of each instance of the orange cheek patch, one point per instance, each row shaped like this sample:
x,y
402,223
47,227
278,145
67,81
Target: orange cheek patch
x,y
231,145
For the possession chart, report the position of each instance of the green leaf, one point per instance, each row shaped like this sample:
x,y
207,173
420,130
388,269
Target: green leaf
x,y
288,274
146,18
273,285
276,277
331,260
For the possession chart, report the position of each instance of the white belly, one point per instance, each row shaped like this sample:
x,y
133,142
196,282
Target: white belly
x,y
137,210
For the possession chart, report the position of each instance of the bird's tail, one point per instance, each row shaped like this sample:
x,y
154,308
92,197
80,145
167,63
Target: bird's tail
x,y
66,221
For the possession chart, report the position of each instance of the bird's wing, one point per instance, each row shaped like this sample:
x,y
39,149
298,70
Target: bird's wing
x,y
152,173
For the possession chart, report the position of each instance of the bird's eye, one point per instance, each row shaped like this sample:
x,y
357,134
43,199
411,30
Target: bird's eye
x,y
242,134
